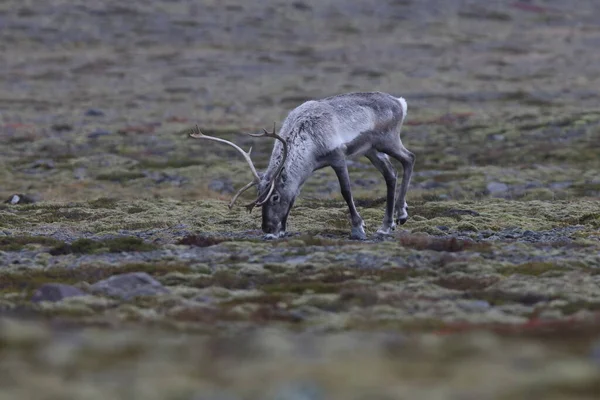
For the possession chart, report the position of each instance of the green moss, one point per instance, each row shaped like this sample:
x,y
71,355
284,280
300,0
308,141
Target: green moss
x,y
271,299
573,307
31,279
465,282
120,176
301,287
177,162
309,240
534,268
16,243
104,202
592,219
9,220
450,244
113,245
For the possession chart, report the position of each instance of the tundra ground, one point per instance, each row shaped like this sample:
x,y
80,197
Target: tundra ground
x,y
491,290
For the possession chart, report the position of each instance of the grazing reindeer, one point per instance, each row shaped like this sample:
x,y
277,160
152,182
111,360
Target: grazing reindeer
x,y
323,133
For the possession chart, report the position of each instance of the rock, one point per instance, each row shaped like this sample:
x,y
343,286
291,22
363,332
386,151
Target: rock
x,y
56,292
365,183
99,132
223,186
62,127
43,164
160,177
595,353
298,391
80,173
94,112
475,305
214,395
454,211
19,199
561,185
129,285
497,189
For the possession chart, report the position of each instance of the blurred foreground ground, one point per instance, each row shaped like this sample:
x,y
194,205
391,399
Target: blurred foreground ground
x,y
490,291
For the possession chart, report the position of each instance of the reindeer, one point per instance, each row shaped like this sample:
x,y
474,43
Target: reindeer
x,y
322,133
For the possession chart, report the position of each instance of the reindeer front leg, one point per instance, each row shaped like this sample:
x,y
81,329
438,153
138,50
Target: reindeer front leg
x,y
358,226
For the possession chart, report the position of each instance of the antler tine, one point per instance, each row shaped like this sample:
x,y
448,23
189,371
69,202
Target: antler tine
x,y
265,133
239,192
273,135
197,134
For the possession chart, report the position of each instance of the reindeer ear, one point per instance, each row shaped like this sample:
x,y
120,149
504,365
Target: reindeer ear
x,y
283,175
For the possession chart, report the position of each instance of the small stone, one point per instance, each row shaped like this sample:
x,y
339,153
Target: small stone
x,y
43,164
497,188
129,285
79,173
94,112
62,127
19,199
214,395
223,186
99,132
475,305
298,391
595,353
55,292
561,185
365,182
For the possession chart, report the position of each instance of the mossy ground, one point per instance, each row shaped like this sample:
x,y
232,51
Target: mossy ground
x,y
490,290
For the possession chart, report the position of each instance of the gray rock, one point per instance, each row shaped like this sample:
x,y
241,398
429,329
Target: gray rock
x,y
213,395
55,292
160,177
595,353
62,127
94,112
369,182
475,305
80,173
561,185
43,164
304,390
497,188
19,198
129,285
223,186
99,132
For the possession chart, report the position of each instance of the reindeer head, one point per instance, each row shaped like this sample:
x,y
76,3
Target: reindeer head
x,y
274,195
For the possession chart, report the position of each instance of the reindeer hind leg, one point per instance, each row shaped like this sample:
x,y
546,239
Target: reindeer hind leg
x,y
407,159
383,165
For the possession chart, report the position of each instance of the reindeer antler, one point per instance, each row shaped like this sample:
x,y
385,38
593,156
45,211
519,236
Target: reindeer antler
x,y
197,134
271,183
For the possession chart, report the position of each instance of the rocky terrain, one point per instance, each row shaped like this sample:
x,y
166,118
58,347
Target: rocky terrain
x,y
123,274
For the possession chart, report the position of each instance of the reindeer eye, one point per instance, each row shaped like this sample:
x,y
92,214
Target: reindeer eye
x,y
275,198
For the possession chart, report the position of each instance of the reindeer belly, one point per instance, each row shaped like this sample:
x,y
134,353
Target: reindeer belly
x,y
358,146
353,132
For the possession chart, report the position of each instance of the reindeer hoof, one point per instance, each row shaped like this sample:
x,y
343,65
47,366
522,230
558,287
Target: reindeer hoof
x,y
403,216
386,231
272,236
358,233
